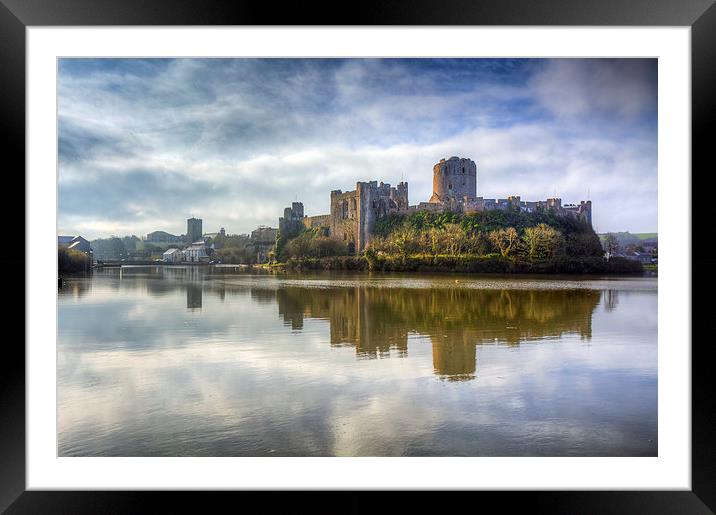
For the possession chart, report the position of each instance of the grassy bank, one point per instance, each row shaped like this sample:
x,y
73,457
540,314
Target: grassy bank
x,y
652,269
493,264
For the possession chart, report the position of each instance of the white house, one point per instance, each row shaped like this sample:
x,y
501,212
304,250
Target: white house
x,y
196,252
173,256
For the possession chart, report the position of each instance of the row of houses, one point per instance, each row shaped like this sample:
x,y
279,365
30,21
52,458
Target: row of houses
x,y
645,258
194,253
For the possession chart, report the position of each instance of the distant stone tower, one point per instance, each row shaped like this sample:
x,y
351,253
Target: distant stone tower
x,y
454,179
193,229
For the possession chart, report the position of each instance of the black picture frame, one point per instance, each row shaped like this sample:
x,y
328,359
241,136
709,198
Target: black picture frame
x,y
700,15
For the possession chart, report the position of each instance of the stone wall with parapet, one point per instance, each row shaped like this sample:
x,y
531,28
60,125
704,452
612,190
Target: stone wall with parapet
x,y
311,222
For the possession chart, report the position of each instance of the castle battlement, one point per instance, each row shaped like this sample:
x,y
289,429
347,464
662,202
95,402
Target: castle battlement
x,y
353,213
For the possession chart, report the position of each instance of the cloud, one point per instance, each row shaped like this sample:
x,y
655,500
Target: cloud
x,y
570,88
144,144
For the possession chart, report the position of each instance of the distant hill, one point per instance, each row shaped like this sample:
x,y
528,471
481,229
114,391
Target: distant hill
x,y
627,235
642,241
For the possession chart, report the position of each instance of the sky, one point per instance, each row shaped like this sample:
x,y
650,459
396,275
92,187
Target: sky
x,y
145,144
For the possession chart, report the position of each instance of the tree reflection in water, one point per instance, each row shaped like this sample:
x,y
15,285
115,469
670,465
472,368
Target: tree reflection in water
x,y
377,321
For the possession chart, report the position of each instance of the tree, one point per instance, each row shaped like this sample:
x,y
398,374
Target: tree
x,y
545,234
236,255
541,241
299,246
478,243
404,241
110,248
379,244
454,238
504,239
433,236
582,243
219,241
130,243
313,243
69,260
611,244
371,256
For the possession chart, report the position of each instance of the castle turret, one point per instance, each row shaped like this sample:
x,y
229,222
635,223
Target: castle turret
x,y
455,178
399,195
585,209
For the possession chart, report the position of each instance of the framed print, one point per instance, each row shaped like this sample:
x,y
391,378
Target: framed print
x,y
414,250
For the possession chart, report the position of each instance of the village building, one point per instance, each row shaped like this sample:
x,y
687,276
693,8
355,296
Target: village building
x,y
173,256
196,252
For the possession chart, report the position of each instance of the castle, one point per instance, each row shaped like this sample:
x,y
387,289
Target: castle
x,y
353,213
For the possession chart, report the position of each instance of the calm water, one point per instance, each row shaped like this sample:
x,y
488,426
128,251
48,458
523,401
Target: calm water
x,y
156,361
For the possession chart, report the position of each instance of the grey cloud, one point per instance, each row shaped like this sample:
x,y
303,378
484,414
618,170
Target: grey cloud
x,y
79,143
132,194
597,87
234,141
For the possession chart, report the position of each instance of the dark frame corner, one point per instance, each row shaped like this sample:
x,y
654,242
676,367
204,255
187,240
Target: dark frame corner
x,y
700,15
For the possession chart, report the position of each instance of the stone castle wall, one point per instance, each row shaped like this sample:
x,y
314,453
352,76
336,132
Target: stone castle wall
x,y
311,222
354,213
289,225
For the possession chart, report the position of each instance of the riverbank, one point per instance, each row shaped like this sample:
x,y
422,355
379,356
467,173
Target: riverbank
x,y
466,264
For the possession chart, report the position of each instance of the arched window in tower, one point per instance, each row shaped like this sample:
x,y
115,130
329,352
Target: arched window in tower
x,y
450,186
463,169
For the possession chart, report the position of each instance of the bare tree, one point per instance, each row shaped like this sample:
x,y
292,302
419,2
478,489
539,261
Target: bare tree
x,y
454,238
542,241
611,244
504,239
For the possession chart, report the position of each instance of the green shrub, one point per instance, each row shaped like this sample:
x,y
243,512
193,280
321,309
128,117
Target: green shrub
x,y
69,261
313,243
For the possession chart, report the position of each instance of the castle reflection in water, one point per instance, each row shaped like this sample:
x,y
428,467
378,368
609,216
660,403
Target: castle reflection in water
x,y
378,321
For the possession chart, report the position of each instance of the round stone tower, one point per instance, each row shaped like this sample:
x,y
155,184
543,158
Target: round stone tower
x,y
454,179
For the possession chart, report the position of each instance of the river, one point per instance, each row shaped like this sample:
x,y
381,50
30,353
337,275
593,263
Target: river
x,y
210,361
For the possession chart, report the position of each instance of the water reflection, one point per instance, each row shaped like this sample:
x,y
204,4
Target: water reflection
x,y
193,297
377,321
77,286
611,299
195,361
